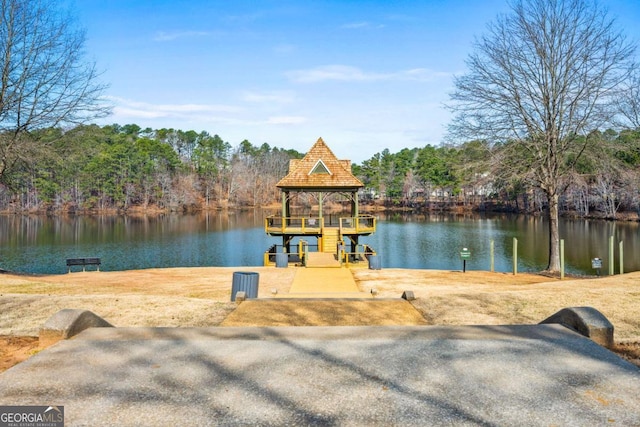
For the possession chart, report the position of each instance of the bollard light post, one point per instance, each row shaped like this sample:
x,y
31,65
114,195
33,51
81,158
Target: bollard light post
x,y
596,263
465,254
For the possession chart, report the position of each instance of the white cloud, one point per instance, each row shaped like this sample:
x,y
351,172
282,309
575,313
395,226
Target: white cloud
x,y
184,115
348,73
331,72
361,25
354,25
284,49
274,97
137,113
247,18
286,120
163,36
425,74
135,109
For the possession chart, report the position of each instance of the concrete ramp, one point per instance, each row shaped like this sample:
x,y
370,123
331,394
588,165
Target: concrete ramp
x,y
539,375
324,312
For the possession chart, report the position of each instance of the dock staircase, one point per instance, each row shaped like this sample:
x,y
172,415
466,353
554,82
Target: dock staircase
x,y
326,257
330,237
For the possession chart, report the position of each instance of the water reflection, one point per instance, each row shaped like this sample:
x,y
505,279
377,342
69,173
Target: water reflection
x,y
41,244
435,241
38,244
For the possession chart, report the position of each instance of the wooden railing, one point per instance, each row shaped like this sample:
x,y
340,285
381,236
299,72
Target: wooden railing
x,y
361,254
358,224
278,224
313,225
269,257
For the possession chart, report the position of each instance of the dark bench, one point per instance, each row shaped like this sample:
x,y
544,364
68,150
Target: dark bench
x,y
71,262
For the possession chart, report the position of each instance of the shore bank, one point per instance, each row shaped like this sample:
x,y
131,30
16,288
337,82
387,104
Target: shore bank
x,y
183,297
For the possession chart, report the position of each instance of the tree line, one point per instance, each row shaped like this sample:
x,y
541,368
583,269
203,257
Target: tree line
x,y
117,168
124,168
604,182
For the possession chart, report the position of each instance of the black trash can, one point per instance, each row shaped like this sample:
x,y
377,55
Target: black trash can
x,y
375,262
282,260
245,281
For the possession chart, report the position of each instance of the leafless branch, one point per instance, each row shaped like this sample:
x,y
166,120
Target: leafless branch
x,y
44,80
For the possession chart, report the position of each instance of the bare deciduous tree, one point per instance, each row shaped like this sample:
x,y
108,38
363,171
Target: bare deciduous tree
x,y
544,76
629,102
44,81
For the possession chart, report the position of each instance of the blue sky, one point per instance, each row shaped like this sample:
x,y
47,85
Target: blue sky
x,y
363,75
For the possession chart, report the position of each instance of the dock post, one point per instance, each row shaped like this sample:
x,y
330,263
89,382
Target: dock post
x,y
561,259
492,255
621,251
611,255
515,256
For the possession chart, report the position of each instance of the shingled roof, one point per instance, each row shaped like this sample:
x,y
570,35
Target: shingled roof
x,y
320,169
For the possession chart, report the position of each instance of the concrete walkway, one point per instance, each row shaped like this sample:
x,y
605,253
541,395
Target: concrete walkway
x,y
538,375
322,260
321,282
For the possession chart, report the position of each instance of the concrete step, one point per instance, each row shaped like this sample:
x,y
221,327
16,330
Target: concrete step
x,y
325,295
324,312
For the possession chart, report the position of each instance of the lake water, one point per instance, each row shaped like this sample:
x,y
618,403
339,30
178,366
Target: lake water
x,y
36,244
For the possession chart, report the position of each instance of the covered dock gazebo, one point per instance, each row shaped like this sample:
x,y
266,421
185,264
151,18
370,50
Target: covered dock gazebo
x,y
321,174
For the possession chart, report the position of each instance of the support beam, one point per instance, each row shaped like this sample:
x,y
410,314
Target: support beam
x,y
354,243
354,204
285,203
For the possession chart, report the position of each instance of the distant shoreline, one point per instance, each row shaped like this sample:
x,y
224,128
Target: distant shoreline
x,y
363,208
